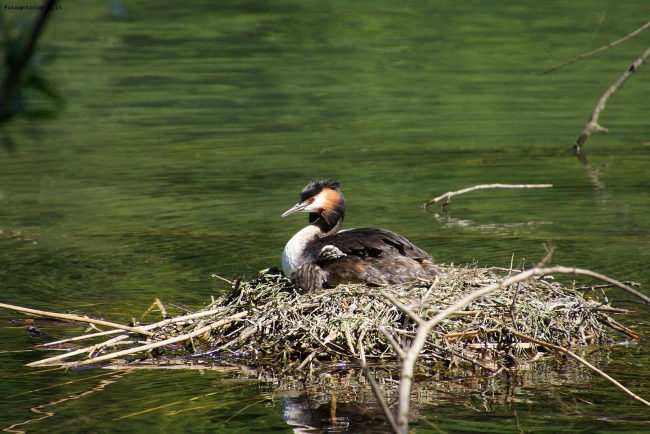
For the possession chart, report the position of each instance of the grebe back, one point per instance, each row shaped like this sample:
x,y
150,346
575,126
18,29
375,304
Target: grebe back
x,y
323,254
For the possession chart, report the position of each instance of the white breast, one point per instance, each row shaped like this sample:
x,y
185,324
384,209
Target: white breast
x,y
295,252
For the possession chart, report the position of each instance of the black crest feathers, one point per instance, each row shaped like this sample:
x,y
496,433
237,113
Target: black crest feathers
x,y
315,187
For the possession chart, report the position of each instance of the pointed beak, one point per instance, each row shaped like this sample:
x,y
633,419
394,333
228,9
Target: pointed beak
x,y
297,208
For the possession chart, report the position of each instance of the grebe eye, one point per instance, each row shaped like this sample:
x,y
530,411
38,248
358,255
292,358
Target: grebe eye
x,y
311,200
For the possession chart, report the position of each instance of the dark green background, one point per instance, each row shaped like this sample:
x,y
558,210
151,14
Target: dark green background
x,y
190,127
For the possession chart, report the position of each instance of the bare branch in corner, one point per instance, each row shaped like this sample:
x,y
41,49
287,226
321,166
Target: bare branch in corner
x,y
591,53
449,194
592,125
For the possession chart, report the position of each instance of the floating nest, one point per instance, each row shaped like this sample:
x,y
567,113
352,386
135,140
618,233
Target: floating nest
x,y
294,329
267,323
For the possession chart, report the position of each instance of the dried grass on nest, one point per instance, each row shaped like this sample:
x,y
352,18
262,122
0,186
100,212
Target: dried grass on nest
x,y
284,328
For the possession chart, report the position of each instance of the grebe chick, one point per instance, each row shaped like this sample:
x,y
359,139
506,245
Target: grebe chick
x,y
319,254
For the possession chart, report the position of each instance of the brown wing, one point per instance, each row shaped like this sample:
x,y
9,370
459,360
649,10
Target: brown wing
x,y
372,243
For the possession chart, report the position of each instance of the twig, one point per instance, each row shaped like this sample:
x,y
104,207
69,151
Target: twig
x,y
161,306
398,348
308,359
408,364
377,391
222,278
449,194
333,335
579,359
549,254
469,334
79,338
160,343
612,310
245,335
401,306
77,318
618,327
606,285
348,337
324,343
592,125
160,324
93,348
591,53
158,304
462,356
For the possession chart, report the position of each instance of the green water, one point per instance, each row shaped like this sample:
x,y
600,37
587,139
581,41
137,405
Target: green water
x,y
190,127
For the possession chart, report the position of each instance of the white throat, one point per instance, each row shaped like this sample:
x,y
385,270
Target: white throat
x,y
295,252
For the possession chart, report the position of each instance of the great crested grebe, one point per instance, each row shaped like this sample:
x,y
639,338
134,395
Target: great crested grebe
x,y
319,254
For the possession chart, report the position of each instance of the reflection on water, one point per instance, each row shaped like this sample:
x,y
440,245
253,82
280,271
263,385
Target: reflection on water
x,y
189,127
506,228
49,409
334,398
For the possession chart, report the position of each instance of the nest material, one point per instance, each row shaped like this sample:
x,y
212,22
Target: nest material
x,y
288,329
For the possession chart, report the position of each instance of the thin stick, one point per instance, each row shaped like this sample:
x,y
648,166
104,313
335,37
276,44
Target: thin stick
x,y
161,343
401,306
591,53
77,318
147,327
449,194
245,335
90,350
408,365
308,359
469,334
161,306
222,278
93,348
592,125
311,356
398,348
377,391
549,254
618,327
579,359
468,359
80,338
158,304
612,310
348,337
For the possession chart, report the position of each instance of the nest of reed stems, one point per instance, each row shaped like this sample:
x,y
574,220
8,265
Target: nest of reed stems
x,y
289,328
267,323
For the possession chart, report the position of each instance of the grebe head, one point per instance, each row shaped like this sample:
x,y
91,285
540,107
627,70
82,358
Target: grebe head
x,y
324,203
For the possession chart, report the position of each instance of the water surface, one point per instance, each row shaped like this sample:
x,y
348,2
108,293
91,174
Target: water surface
x,y
189,128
